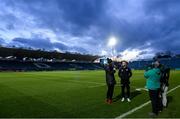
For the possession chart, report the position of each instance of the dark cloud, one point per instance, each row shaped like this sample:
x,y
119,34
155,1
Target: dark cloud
x,y
71,16
45,44
10,27
158,26
138,24
35,43
1,41
81,12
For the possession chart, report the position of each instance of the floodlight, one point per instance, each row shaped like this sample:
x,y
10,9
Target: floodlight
x,y
112,42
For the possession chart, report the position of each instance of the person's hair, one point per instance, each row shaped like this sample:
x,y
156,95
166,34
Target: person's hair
x,y
157,61
109,60
124,61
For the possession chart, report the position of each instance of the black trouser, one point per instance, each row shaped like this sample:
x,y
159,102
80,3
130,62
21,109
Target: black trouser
x,y
110,92
160,102
155,100
123,86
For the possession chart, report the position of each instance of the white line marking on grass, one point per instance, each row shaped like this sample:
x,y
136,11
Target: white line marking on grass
x,y
139,89
173,89
143,105
101,85
97,86
78,81
117,85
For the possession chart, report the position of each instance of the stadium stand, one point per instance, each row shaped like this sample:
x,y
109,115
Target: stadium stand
x,y
18,59
40,55
173,63
9,65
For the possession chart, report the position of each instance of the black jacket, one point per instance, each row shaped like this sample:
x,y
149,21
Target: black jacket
x,y
125,74
110,79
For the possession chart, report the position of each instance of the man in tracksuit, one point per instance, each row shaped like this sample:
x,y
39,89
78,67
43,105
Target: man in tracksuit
x,y
125,74
153,76
110,80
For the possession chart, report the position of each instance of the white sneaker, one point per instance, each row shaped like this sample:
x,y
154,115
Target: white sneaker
x,y
128,100
122,100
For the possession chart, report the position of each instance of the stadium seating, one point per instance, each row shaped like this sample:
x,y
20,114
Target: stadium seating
x,y
19,59
6,65
16,65
173,63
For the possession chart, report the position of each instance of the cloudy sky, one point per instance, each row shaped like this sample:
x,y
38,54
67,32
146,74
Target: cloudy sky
x,y
141,27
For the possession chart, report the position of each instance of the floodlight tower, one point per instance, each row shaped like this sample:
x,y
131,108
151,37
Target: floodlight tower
x,y
111,43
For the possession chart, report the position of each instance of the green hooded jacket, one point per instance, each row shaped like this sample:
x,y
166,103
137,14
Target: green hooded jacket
x,y
153,78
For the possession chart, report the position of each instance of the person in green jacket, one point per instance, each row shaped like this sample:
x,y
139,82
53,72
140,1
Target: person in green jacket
x,y
152,76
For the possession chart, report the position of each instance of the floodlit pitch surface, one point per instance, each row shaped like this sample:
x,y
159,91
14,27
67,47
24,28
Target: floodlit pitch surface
x,y
75,94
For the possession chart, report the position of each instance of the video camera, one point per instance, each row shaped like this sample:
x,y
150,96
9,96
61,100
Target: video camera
x,y
105,61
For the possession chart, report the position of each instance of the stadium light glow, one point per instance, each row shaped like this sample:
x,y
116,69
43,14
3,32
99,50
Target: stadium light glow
x,y
112,42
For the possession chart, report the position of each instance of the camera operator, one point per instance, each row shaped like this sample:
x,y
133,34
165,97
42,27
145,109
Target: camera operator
x,y
110,80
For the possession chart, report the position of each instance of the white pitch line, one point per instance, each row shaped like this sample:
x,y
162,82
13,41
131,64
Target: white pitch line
x,y
141,106
173,89
139,89
78,81
97,86
117,85
100,85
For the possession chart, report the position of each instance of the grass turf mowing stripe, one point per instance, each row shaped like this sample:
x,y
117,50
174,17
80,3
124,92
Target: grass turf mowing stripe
x,y
141,106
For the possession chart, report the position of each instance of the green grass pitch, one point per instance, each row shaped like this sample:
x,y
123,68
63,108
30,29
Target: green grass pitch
x,y
75,94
